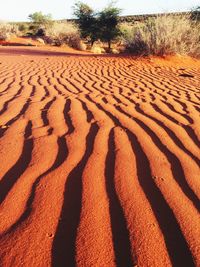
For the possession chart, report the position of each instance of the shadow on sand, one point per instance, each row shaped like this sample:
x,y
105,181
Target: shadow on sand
x,y
42,51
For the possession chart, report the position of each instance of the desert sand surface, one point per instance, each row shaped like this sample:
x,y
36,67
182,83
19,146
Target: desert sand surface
x,y
99,159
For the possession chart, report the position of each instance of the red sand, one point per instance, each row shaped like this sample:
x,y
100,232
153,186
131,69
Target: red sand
x,y
99,159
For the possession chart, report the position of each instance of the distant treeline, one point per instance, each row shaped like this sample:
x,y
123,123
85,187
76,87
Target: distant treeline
x,y
141,18
129,19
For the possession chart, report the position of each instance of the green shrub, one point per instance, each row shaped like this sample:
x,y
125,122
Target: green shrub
x,y
23,27
195,14
127,32
39,22
108,24
86,21
97,25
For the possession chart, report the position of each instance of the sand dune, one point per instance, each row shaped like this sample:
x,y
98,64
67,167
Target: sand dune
x,y
99,160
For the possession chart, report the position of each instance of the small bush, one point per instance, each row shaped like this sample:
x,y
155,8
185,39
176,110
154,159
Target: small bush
x,y
39,22
164,35
108,24
23,28
41,32
195,14
87,21
127,31
97,25
7,30
63,33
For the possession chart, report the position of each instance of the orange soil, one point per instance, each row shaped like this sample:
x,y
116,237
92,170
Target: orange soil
x,y
26,41
99,160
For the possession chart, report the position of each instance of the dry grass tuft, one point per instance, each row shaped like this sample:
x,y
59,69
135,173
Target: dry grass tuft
x,y
60,33
7,30
163,35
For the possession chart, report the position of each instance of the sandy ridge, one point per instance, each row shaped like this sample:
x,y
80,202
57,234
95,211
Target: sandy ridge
x,y
101,160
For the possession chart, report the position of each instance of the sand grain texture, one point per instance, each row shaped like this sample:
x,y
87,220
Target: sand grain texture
x,y
99,159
